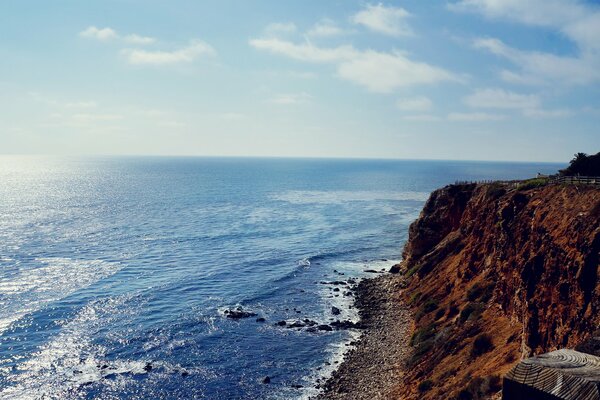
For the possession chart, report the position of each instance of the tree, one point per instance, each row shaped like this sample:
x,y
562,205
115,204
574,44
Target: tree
x,y
583,165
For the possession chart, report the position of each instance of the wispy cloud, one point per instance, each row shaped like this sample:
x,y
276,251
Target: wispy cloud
x,y
291,98
92,32
421,103
187,54
421,117
574,19
499,98
137,39
276,29
542,67
377,71
325,28
386,20
475,117
105,34
529,105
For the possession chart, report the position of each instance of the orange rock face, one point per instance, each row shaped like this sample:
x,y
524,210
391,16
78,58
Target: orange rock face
x,y
497,274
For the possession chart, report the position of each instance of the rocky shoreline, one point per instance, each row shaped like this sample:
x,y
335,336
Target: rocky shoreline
x,y
374,368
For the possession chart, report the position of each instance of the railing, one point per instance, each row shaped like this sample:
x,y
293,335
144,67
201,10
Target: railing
x,y
553,179
576,180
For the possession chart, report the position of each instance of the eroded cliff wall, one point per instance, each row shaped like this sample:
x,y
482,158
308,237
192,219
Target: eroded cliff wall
x,y
495,274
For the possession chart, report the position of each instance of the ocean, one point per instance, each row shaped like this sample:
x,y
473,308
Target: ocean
x,y
117,273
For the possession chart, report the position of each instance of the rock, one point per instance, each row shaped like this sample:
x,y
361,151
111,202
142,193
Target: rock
x,y
297,324
239,314
372,271
282,323
148,367
335,311
326,328
261,319
266,380
336,289
297,386
185,373
395,269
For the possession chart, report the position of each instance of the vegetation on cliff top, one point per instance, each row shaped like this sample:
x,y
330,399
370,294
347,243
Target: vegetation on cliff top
x,y
583,165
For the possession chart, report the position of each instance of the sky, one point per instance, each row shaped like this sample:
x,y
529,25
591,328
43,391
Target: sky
x,y
458,79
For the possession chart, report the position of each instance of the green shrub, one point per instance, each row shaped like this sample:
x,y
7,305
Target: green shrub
x,y
425,386
471,311
422,334
532,183
481,345
419,351
482,292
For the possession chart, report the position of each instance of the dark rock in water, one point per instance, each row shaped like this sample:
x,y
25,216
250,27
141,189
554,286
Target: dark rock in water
x,y
346,325
185,373
310,322
104,366
336,289
335,311
266,380
238,314
297,324
297,386
325,328
395,269
261,319
148,367
372,271
282,323
312,329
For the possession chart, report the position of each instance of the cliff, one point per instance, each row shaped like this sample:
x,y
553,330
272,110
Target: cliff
x,y
495,273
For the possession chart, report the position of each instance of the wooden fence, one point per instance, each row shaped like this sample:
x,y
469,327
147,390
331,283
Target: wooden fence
x,y
553,179
576,180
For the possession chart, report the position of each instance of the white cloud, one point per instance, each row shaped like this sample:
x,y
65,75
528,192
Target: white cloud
x,y
574,19
386,72
499,98
187,54
387,20
137,39
99,34
304,52
415,104
106,34
376,71
291,99
475,117
543,66
325,28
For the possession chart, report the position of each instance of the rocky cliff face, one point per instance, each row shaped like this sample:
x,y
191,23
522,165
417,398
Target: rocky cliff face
x,y
495,274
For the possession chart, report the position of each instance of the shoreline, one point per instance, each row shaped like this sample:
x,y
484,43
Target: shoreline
x,y
374,367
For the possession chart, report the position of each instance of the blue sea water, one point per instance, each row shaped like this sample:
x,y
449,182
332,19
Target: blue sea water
x,y
115,272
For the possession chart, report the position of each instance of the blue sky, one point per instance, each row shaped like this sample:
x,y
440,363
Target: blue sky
x,y
460,79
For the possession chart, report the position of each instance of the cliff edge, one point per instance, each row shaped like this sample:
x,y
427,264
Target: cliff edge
x,y
495,273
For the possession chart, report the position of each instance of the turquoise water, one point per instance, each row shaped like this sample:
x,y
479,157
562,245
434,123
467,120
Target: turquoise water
x,y
115,273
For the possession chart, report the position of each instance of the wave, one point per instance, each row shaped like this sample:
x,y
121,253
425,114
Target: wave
x,y
342,196
30,289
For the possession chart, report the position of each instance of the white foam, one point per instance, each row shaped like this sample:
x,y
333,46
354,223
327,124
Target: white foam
x,y
342,196
71,359
337,351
